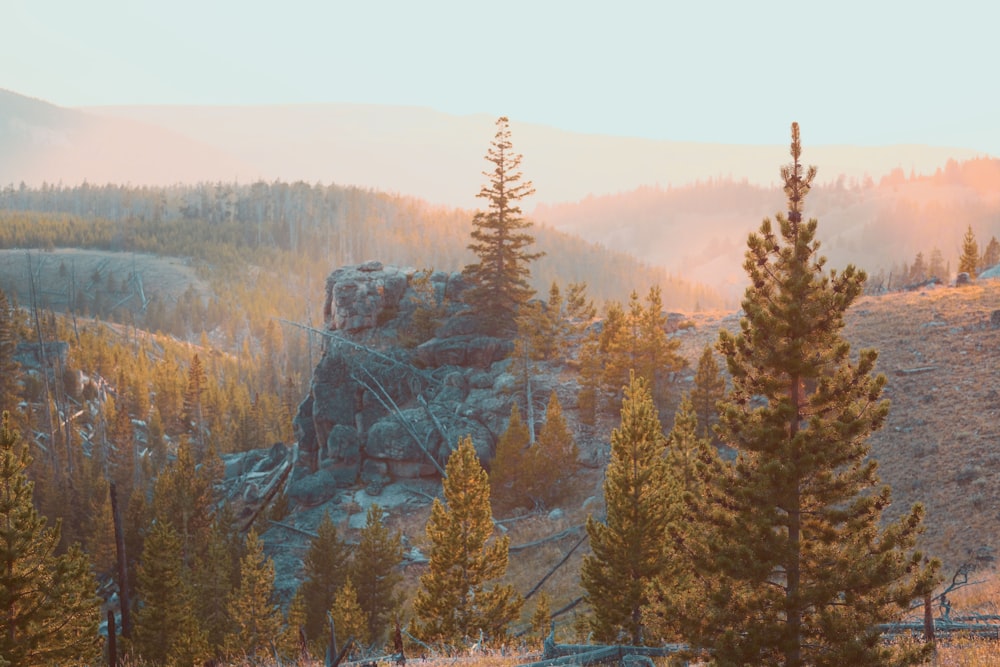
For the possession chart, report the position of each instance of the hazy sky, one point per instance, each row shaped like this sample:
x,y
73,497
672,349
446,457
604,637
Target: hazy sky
x,y
861,72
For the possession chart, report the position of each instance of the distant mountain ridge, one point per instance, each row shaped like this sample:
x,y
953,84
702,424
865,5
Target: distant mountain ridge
x,y
413,151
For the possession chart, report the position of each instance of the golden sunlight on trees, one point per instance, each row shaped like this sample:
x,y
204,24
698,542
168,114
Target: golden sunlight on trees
x,y
500,240
628,546
805,567
455,601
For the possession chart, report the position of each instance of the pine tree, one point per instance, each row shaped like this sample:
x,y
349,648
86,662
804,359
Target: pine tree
x,y
291,642
256,618
9,370
500,240
991,255
375,571
679,592
454,602
936,268
193,411
709,388
182,496
325,570
806,570
348,618
541,620
166,630
507,472
553,459
969,260
628,547
49,610
214,572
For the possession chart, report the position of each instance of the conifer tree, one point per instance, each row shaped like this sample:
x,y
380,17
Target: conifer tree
x,y
348,617
291,643
375,571
455,601
256,618
507,470
553,458
166,629
49,610
500,240
194,413
182,496
214,572
679,591
9,371
628,547
541,619
968,262
709,388
807,568
325,570
991,255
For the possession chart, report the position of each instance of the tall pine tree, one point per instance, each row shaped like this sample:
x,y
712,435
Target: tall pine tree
x,y
49,610
455,601
796,536
628,547
500,240
709,388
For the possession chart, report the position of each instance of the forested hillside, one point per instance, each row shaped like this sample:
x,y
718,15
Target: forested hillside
x,y
302,232
700,229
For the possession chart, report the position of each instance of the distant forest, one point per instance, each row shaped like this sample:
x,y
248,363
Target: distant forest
x,y
305,231
700,230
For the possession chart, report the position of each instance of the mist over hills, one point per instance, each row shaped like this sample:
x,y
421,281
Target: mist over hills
x,y
686,207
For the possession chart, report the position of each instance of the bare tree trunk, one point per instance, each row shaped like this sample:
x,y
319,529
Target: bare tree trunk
x,y
123,596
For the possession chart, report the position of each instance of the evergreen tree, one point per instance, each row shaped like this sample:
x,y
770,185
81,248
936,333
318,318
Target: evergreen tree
x,y
709,388
806,570
256,618
541,620
166,629
936,267
348,618
291,642
507,473
500,240
49,610
193,411
182,496
679,591
969,260
628,547
553,459
454,602
9,370
918,270
325,571
375,569
991,255
213,577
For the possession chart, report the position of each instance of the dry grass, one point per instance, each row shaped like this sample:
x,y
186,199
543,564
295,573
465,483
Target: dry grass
x,y
939,446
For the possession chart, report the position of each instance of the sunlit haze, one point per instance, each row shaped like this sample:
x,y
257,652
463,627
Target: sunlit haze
x,y
853,72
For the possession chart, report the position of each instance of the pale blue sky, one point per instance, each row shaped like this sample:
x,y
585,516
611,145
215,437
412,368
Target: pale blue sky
x,y
861,72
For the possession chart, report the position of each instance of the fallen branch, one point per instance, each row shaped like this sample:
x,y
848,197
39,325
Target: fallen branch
x,y
558,565
914,371
551,538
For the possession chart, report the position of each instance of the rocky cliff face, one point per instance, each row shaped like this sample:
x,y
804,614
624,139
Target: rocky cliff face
x,y
385,405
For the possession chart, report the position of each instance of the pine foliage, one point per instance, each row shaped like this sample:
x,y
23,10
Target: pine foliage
x,y
500,240
805,566
709,388
256,618
375,573
628,546
968,262
166,629
456,601
49,611
324,573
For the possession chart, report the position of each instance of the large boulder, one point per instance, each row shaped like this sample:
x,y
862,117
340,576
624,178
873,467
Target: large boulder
x,y
364,296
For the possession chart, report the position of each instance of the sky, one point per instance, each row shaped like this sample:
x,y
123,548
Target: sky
x,y
868,72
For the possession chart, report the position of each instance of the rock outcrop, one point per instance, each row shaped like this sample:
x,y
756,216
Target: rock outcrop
x,y
392,395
